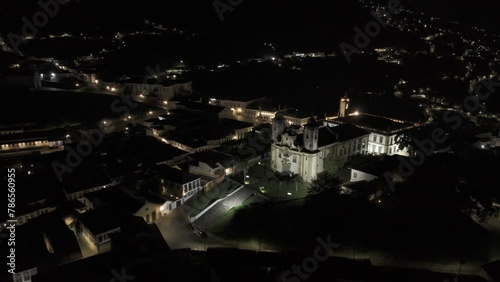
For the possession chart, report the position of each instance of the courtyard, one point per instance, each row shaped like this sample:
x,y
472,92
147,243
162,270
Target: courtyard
x,y
261,178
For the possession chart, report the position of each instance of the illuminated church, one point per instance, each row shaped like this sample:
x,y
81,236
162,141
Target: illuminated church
x,y
303,150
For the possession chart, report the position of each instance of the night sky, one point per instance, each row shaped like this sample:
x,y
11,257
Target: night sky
x,y
201,15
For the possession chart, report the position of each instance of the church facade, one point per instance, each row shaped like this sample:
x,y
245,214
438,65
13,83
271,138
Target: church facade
x,y
303,150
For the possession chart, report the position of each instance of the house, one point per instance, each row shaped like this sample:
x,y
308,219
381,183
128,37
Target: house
x,y
236,105
39,194
36,142
97,226
373,168
208,110
117,199
86,180
178,180
264,111
208,163
138,239
171,188
158,89
42,245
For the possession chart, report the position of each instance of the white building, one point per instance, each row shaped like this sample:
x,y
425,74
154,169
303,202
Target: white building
x,y
43,142
159,91
383,130
305,153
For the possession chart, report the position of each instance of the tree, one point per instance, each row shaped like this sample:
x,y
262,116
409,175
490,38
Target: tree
x,y
334,164
474,199
324,183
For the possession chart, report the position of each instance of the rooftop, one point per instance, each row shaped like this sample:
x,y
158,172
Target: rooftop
x,y
341,133
102,220
114,197
374,123
232,124
45,242
240,96
151,149
201,107
210,157
377,166
56,134
192,142
85,177
163,81
176,175
263,105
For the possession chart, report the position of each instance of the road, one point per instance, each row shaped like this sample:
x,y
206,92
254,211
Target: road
x,y
174,229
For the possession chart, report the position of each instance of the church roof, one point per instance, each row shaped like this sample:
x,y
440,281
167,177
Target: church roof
x,y
331,135
341,133
311,122
279,116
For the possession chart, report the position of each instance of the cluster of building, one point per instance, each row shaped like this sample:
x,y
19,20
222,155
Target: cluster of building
x,y
303,150
17,141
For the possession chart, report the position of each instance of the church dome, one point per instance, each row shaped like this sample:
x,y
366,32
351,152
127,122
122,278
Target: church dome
x,y
279,116
312,122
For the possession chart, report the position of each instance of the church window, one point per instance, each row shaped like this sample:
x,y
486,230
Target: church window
x,y
294,159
